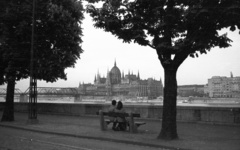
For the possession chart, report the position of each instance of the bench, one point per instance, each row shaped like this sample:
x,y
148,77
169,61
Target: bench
x,y
133,125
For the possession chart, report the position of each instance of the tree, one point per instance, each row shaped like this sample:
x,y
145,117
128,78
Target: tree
x,y
176,29
57,41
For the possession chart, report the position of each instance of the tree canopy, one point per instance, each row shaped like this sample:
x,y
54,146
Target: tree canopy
x,y
176,29
57,37
172,27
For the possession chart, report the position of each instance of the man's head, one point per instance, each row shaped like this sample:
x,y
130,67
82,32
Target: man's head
x,y
114,102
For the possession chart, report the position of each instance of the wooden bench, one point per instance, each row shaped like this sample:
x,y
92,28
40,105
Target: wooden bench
x,y
133,125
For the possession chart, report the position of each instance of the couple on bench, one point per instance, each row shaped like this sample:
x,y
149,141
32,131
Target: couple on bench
x,y
119,123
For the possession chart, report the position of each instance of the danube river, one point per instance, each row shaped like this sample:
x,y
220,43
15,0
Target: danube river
x,y
206,102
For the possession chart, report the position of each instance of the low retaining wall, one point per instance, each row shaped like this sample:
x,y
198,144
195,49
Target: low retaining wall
x,y
215,115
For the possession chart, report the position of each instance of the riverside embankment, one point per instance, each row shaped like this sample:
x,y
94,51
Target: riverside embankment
x,y
212,114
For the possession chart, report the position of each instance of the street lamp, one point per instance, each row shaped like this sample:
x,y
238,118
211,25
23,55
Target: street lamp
x,y
32,105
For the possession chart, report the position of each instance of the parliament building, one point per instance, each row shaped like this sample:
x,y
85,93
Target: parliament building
x,y
117,84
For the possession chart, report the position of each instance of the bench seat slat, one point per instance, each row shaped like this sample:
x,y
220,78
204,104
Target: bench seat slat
x,y
136,123
139,123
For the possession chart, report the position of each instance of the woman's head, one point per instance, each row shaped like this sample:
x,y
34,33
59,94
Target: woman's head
x,y
119,105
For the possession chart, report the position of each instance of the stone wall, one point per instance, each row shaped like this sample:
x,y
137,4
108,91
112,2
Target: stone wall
x,y
214,115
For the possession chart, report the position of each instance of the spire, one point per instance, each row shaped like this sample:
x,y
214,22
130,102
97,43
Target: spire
x,y
138,76
108,80
98,77
115,64
231,74
79,85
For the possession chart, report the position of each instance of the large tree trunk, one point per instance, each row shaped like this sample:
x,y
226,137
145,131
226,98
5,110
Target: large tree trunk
x,y
8,112
169,125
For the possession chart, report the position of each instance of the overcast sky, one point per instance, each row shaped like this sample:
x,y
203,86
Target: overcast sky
x,y
101,49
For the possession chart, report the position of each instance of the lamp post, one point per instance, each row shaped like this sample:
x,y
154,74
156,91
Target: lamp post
x,y
32,105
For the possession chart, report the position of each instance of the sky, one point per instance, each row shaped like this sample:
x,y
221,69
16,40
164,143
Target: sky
x,y
101,49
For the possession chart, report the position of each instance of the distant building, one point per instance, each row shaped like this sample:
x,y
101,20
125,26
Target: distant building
x,y
119,84
224,86
191,90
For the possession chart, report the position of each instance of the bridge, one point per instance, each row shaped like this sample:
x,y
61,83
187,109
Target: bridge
x,y
42,92
3,91
55,91
45,91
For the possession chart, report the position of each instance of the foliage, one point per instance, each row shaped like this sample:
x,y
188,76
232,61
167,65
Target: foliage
x,y
56,41
183,27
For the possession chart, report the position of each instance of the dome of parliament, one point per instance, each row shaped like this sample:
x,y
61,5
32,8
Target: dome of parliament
x,y
115,74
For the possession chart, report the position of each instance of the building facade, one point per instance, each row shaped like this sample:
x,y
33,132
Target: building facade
x,y
224,87
120,84
191,90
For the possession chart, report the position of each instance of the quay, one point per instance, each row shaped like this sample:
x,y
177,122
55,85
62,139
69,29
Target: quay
x,y
192,136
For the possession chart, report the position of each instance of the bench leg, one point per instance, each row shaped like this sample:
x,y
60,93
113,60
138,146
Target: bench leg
x,y
103,124
132,126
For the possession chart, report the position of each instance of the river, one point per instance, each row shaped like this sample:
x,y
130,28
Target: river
x,y
180,102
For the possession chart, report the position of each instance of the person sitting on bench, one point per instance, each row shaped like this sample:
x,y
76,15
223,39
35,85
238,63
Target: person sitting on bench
x,y
121,121
112,109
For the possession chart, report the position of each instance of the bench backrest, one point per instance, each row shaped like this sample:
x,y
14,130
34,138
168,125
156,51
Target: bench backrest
x,y
117,114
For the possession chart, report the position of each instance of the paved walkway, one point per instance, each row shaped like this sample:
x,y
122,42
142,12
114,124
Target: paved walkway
x,y
191,135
